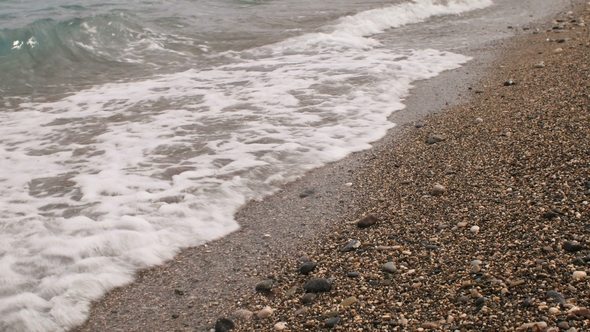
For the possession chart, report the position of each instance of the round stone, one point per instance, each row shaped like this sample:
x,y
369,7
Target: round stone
x,y
579,275
265,312
438,189
307,267
318,285
308,298
389,267
224,325
474,229
264,286
280,326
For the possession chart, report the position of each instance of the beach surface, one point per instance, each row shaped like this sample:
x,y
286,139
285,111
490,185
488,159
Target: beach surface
x,y
502,242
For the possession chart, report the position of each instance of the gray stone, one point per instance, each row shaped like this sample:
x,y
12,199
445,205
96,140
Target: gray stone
x,y
307,267
264,286
318,285
556,296
389,267
224,325
330,323
435,139
352,274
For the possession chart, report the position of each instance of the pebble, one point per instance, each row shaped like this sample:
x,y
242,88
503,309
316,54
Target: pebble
x,y
308,298
558,50
330,323
475,269
242,314
579,262
224,325
537,326
265,312
178,291
556,296
461,224
540,64
291,291
348,301
280,326
509,83
352,274
419,125
553,310
318,285
307,267
563,325
300,311
429,325
435,139
478,120
367,221
517,283
571,246
264,286
474,229
389,267
579,275
352,245
438,189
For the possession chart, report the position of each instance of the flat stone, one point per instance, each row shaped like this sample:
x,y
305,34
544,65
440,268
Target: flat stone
x,y
224,325
350,246
480,301
550,214
242,314
308,298
435,139
330,323
300,311
307,267
318,285
389,267
579,262
291,291
264,286
429,325
419,125
348,301
577,275
571,246
265,312
352,274
556,296
367,221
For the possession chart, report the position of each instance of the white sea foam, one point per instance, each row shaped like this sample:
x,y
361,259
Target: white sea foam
x,y
121,176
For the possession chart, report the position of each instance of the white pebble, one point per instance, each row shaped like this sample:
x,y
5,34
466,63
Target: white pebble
x,y
265,312
280,326
349,184
579,275
478,120
553,310
475,229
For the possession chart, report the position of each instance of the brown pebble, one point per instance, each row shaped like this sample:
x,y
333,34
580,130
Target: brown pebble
x,y
308,298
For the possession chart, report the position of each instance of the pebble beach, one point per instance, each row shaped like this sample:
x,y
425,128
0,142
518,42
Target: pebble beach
x,y
475,218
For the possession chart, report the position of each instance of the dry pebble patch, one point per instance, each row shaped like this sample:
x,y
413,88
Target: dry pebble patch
x,y
492,231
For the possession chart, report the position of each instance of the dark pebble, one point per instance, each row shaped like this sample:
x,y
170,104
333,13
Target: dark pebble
x,y
264,286
332,322
562,40
352,274
579,262
550,214
435,139
224,325
367,221
431,246
318,285
509,83
558,27
175,316
178,291
308,298
571,246
419,125
479,302
307,267
556,296
306,193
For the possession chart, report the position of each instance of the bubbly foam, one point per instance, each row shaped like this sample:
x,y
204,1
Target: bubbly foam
x,y
119,177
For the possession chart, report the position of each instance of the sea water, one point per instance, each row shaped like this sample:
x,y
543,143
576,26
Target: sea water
x,y
131,129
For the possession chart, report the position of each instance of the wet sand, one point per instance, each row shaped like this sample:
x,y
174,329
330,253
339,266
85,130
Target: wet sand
x,y
484,167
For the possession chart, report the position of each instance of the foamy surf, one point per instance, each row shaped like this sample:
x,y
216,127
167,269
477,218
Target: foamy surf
x,y
119,177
